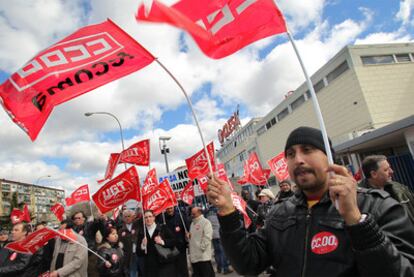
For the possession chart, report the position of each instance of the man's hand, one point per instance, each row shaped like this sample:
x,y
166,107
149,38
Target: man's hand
x,y
158,240
343,188
144,242
219,194
108,264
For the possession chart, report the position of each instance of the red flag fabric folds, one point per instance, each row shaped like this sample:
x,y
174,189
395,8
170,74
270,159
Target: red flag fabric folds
x,y
110,168
138,153
187,195
279,167
16,216
150,183
197,164
220,27
58,210
32,242
91,57
256,174
123,187
160,199
240,205
81,194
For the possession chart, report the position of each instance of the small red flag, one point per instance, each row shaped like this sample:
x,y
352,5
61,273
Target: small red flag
x,y
32,242
138,153
187,194
110,168
89,58
256,174
81,194
58,210
240,205
116,192
279,167
26,214
220,27
150,183
16,216
197,164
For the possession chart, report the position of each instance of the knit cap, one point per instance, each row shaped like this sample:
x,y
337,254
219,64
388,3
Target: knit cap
x,y
307,135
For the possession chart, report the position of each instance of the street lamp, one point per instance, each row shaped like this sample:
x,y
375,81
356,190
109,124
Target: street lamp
x,y
119,123
164,149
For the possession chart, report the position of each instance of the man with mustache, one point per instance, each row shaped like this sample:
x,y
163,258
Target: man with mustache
x,y
328,228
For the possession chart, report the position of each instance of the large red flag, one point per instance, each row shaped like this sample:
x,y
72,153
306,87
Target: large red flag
x,y
160,199
138,153
32,242
150,183
58,210
187,194
110,168
122,188
220,27
91,57
197,164
81,194
279,167
256,174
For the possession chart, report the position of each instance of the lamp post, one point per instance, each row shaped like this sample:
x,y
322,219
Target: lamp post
x,y
33,194
119,124
164,150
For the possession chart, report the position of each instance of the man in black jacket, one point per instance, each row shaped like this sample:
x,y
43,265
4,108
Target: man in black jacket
x,y
378,175
17,264
366,234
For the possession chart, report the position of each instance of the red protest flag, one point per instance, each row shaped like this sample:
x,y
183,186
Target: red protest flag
x,y
160,199
240,205
16,216
26,214
58,210
150,183
89,58
256,174
116,192
81,194
279,167
110,168
197,164
222,174
138,153
220,27
187,194
32,242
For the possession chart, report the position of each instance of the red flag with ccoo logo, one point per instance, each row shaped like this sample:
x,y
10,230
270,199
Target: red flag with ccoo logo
x,y
89,58
197,164
81,194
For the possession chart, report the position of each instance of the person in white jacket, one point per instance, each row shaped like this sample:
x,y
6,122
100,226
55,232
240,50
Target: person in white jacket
x,y
200,237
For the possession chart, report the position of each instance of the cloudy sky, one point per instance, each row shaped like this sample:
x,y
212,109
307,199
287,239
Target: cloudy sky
x,y
73,149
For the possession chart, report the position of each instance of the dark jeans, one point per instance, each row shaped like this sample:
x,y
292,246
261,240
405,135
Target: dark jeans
x,y
220,256
181,264
203,269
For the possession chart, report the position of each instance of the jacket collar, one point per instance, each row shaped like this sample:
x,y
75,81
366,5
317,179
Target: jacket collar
x,y
299,198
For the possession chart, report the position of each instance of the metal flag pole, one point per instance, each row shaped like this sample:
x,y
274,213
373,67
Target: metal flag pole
x,y
193,113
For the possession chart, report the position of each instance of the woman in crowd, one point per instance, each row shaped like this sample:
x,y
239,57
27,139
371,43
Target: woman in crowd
x,y
111,251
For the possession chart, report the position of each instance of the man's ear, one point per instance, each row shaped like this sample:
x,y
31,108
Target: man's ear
x,y
373,174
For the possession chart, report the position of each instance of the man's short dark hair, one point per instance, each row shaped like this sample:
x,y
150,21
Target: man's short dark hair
x,y
371,163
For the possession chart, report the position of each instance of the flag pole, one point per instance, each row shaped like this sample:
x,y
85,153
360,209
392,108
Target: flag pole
x,y
78,243
314,101
193,113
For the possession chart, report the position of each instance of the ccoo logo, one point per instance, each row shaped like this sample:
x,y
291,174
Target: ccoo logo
x,y
323,243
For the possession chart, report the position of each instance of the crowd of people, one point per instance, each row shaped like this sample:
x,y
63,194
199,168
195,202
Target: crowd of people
x,y
320,223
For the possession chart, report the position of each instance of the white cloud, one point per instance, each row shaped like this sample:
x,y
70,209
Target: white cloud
x,y
404,13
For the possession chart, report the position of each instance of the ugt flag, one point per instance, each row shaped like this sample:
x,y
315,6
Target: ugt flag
x,y
116,192
58,211
81,194
197,164
279,167
89,58
219,27
150,183
160,199
138,153
110,168
32,242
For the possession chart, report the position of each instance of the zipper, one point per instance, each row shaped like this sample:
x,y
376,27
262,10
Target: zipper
x,y
305,253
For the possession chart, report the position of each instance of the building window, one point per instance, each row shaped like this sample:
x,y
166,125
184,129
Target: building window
x,y
337,71
318,86
282,114
403,58
383,59
268,125
295,104
273,121
308,94
261,130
